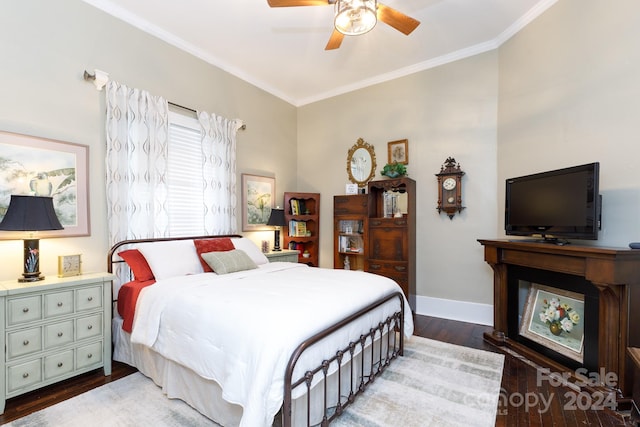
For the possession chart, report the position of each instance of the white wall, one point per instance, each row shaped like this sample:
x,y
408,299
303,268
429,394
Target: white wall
x,y
570,94
46,48
447,111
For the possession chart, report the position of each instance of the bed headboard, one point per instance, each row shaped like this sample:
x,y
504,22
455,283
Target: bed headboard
x,y
113,260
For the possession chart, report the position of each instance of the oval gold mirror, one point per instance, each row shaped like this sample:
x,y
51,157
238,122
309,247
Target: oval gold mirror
x,y
361,163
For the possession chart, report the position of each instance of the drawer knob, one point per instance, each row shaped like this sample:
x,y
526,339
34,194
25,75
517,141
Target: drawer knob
x,y
89,356
90,327
90,299
59,364
374,266
60,334
59,304
25,310
400,268
25,342
25,375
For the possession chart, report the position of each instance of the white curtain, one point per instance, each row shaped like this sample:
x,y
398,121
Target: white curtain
x,y
137,136
219,171
137,148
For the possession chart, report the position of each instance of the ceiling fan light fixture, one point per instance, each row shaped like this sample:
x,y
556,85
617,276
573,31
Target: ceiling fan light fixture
x,y
355,17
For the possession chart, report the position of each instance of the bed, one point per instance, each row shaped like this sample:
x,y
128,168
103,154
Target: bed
x,y
246,342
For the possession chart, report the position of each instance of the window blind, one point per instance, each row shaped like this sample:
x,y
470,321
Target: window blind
x,y
185,178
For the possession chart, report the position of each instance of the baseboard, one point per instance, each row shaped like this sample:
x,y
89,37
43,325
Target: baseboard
x,y
471,312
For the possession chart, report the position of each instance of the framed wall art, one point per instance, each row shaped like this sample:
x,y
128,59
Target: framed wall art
x,y
44,167
555,318
398,151
257,201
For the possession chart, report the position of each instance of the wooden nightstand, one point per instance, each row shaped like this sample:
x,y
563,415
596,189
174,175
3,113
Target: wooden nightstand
x,y
52,330
285,255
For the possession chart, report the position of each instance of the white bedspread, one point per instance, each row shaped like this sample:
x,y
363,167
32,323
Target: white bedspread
x,y
240,329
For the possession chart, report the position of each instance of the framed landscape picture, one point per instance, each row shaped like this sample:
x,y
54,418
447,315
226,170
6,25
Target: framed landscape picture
x,y
44,167
257,201
555,318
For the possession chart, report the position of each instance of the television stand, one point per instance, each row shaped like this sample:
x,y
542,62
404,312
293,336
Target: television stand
x,y
549,240
614,272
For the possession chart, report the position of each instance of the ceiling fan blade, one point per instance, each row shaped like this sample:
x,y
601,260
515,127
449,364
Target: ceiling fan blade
x,y
398,20
287,3
335,40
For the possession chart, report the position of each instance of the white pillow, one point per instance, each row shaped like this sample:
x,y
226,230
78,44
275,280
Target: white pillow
x,y
254,252
171,258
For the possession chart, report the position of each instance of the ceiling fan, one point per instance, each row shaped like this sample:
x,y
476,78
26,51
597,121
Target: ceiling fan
x,y
355,17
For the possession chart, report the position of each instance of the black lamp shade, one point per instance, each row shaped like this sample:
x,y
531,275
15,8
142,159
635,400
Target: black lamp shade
x,y
30,213
277,218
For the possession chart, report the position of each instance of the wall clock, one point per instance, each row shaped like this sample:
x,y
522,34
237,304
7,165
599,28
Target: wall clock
x,y
450,188
69,265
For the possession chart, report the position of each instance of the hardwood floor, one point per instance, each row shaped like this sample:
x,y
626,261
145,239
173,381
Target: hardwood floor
x,y
525,400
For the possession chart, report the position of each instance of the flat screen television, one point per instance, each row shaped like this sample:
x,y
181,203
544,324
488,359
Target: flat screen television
x,y
555,205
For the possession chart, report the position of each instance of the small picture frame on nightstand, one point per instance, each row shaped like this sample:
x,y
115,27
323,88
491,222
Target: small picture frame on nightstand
x,y
69,265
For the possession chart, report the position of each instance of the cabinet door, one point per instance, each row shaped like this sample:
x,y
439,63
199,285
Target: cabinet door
x,y
89,298
388,243
58,303
24,309
23,342
350,205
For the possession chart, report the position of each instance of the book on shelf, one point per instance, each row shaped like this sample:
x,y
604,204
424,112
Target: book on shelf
x,y
297,246
297,207
297,228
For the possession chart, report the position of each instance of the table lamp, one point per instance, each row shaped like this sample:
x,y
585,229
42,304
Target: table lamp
x,y
31,214
276,219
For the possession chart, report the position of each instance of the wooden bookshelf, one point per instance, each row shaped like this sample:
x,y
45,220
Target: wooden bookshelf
x,y
349,231
301,233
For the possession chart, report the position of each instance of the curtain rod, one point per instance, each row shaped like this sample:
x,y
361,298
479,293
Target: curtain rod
x,y
100,78
242,127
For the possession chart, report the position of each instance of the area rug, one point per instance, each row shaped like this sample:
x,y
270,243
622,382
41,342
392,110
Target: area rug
x,y
434,384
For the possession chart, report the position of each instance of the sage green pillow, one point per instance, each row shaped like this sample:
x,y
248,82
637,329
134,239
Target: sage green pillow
x,y
228,261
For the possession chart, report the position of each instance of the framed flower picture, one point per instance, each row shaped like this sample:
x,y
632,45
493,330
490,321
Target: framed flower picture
x,y
555,318
257,201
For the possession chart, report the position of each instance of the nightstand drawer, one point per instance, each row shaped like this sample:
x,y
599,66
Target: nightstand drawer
x,y
24,342
58,334
88,355
58,304
90,326
58,364
24,375
89,298
23,310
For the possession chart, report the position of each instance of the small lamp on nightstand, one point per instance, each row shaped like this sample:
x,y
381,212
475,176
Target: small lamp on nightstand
x,y
276,219
31,214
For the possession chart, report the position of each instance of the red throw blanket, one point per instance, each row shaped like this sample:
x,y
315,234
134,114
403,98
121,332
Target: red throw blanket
x,y
127,298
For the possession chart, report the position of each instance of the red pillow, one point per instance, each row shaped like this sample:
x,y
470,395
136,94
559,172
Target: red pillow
x,y
217,244
138,264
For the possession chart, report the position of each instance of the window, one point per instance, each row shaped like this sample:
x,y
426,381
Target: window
x,y
184,176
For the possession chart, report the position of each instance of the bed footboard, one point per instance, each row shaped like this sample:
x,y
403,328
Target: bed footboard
x,y
353,367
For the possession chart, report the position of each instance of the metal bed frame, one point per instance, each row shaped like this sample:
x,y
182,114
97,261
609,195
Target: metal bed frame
x,y
362,360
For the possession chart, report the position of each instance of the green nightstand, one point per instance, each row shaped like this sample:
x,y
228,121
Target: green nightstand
x,y
285,255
